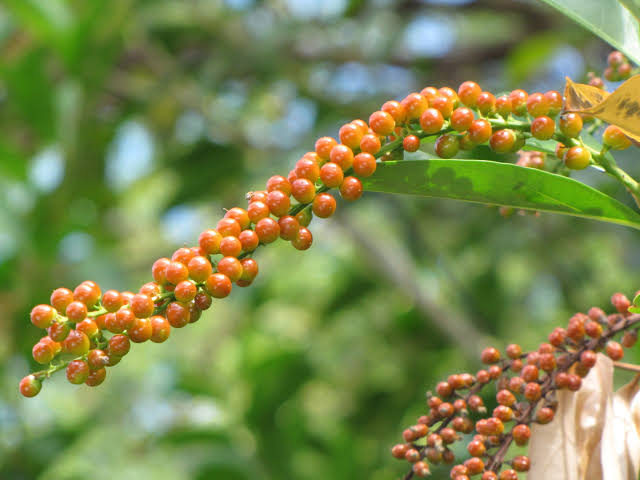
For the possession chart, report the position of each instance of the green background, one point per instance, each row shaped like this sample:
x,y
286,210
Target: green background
x,y
125,129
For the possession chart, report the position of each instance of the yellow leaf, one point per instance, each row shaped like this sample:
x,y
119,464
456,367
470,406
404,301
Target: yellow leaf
x,y
621,108
578,96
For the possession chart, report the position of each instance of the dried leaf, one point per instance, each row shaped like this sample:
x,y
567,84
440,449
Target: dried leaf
x,y
620,447
595,434
621,108
579,96
562,450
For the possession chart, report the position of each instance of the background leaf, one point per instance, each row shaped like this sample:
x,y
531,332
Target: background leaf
x,y
606,18
497,183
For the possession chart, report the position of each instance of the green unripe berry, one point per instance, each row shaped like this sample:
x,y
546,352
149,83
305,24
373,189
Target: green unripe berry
x,y
447,146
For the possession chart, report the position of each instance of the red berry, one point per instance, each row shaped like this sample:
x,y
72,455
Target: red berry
x,y
230,247
303,190
480,131
119,345
231,267
614,351
178,314
249,241
486,103
96,359
544,415
268,230
614,138
555,102
76,343
42,316
240,215
228,227
289,227
177,272
350,135
570,124
42,352
503,141
160,329
444,105
96,377
200,267
303,239
142,306
77,371
490,355
141,330
414,104
324,205
461,119
364,164
519,101
514,351
468,92
382,123
504,106
323,147
209,242
30,386
351,189
58,331
331,175
278,182
537,105
341,155
186,291
218,285
61,298
182,255
88,327
370,143
521,434
543,128
87,293
410,143
532,392
431,121
399,451
278,202
395,109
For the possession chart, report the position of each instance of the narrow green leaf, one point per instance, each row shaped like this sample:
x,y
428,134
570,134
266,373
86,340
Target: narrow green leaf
x,y
608,19
495,183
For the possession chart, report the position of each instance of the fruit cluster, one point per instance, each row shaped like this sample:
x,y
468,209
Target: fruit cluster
x,y
525,384
88,330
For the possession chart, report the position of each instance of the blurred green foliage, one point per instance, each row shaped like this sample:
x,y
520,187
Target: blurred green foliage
x,y
126,127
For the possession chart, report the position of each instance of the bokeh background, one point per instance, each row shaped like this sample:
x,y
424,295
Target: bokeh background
x,y
125,129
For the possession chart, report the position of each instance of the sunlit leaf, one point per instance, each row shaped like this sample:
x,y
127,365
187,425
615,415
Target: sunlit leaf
x,y
608,19
497,183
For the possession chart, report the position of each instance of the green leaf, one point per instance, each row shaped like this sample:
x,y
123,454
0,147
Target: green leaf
x,y
495,183
608,19
633,6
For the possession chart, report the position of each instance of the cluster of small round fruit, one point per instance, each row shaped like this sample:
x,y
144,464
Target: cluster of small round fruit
x,y
88,330
525,384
